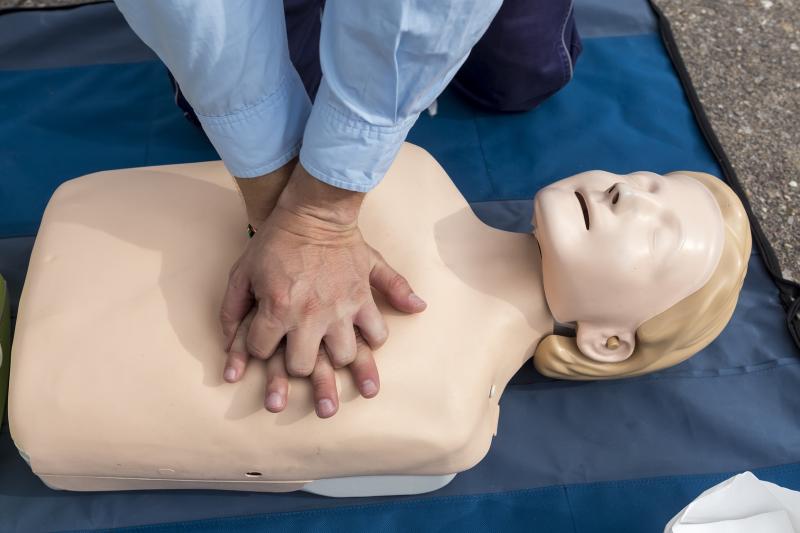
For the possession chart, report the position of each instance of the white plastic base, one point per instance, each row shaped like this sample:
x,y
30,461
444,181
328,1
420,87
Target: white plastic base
x,y
361,486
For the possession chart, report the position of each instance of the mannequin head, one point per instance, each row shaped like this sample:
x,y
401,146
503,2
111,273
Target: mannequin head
x,y
648,267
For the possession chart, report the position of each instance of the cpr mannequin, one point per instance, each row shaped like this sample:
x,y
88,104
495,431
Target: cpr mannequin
x,y
117,362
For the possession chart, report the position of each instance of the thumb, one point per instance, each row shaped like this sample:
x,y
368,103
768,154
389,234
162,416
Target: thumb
x,y
395,288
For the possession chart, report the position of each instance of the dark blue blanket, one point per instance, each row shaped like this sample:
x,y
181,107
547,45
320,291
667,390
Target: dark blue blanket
x,y
84,95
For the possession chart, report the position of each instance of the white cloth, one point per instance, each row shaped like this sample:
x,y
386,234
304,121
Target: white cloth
x,y
741,504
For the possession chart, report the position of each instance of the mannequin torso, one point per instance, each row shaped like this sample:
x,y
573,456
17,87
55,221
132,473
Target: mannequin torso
x,y
124,381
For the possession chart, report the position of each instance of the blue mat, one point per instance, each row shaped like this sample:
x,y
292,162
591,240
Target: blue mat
x,y
578,457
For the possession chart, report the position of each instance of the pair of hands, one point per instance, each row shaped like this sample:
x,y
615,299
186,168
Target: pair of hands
x,y
300,295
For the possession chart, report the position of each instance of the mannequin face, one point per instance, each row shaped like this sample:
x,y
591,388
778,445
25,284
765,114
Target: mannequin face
x,y
618,250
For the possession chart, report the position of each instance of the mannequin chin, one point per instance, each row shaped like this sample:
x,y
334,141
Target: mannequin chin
x,y
116,382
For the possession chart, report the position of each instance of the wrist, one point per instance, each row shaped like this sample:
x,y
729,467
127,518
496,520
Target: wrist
x,y
309,198
260,194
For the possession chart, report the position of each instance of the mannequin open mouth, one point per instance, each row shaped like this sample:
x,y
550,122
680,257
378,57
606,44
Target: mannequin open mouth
x,y
584,208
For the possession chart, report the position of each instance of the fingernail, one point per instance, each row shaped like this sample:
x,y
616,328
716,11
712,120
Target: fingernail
x,y
369,388
230,374
416,301
274,401
325,407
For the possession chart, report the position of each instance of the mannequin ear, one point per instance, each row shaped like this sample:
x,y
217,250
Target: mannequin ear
x,y
605,344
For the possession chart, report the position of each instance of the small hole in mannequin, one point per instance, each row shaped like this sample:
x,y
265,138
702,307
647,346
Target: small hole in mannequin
x,y
615,199
612,343
253,474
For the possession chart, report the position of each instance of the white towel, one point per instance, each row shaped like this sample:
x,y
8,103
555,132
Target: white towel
x,y
741,504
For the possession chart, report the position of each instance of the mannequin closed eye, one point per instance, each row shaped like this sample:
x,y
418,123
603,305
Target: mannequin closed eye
x,y
666,238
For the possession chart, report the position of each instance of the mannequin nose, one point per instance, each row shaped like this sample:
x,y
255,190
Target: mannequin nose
x,y
619,191
623,197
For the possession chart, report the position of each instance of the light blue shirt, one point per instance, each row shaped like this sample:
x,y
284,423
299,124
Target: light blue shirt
x,y
383,63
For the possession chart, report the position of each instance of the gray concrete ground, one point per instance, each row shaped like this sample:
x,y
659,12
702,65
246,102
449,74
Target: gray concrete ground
x,y
744,59
6,4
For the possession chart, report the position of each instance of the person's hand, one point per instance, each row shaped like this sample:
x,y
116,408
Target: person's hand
x,y
326,401
309,272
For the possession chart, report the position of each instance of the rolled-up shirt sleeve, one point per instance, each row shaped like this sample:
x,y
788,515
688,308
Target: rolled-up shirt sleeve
x,y
383,63
231,60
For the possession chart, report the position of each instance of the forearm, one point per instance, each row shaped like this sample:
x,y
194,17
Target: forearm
x,y
231,60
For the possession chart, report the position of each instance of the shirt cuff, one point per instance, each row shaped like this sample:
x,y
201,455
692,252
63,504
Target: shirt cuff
x,y
263,136
346,151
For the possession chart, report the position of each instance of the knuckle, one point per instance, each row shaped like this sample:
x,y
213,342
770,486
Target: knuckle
x,y
298,369
320,380
381,336
397,282
275,380
257,351
279,303
236,278
346,361
361,293
273,321
227,318
311,306
343,358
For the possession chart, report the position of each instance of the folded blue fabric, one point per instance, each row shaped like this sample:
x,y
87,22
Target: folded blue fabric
x,y
561,446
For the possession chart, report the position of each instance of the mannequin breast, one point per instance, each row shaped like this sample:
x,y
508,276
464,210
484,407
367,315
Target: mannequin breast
x,y
117,359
